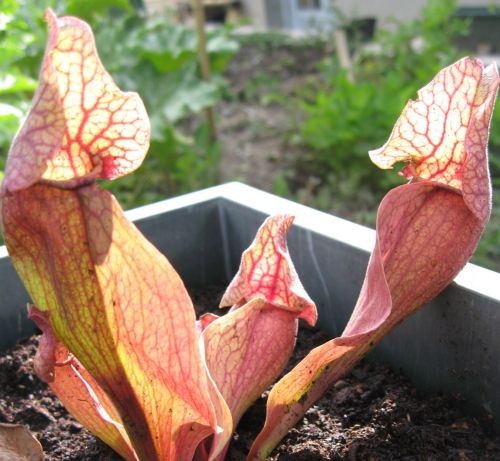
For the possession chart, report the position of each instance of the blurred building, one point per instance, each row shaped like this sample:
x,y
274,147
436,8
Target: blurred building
x,y
385,11
484,17
299,15
317,15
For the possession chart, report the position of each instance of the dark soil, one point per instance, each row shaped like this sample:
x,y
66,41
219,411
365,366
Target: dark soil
x,y
374,413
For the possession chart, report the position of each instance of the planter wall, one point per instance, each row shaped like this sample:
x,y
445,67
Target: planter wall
x,y
452,344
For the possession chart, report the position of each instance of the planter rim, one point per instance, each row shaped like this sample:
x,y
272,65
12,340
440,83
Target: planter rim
x,y
475,278
472,277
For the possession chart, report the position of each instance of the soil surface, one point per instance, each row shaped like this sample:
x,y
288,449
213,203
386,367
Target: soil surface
x,y
374,413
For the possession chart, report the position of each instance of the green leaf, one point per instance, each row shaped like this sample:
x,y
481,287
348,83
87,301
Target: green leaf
x,y
16,82
190,96
89,10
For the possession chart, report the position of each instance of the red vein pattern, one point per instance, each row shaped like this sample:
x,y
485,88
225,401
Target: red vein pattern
x,y
120,308
77,390
267,271
426,232
246,349
438,133
104,294
80,126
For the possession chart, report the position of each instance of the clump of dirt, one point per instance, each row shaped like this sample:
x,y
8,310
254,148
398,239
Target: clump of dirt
x,y
374,413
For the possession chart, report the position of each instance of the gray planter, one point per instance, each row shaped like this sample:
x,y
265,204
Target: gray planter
x,y
452,344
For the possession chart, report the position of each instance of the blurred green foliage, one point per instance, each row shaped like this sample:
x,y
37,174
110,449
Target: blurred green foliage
x,y
343,120
155,57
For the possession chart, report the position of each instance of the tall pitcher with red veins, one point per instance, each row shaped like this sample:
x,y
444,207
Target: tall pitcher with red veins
x,y
426,230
